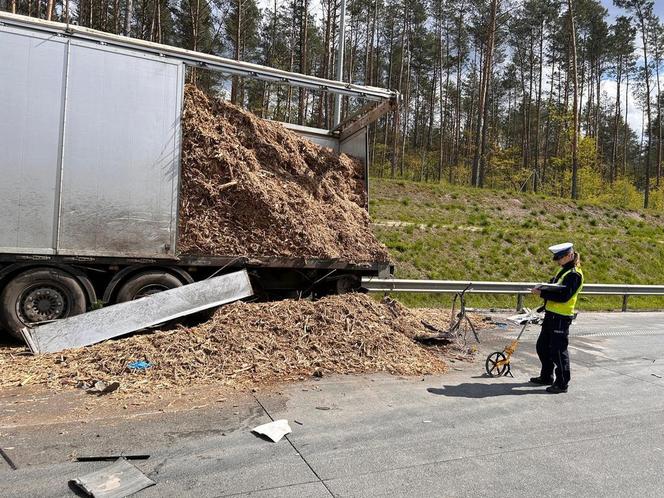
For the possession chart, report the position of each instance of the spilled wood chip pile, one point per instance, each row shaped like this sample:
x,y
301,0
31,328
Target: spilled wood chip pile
x,y
247,344
250,187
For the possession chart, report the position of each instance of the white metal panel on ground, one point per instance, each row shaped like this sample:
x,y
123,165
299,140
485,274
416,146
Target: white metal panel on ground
x,y
31,112
115,481
124,318
121,157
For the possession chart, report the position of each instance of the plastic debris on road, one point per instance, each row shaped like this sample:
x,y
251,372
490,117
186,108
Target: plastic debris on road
x,y
139,365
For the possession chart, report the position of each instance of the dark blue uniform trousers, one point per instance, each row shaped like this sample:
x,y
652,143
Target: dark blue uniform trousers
x,y
552,348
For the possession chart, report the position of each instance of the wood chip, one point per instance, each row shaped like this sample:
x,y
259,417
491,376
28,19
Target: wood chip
x,y
250,187
246,345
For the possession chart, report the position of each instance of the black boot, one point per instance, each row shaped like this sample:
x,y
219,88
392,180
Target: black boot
x,y
556,389
540,381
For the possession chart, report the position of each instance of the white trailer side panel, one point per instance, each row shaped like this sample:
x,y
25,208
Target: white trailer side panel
x,y
89,147
122,153
31,97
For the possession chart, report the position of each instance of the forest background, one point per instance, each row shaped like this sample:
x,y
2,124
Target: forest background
x,y
556,97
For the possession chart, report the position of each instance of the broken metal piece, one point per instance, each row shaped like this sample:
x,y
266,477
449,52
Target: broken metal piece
x,y
273,430
433,340
9,461
528,316
111,458
100,387
115,481
432,328
124,318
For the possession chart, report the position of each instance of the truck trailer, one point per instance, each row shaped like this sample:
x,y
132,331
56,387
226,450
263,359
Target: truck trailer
x,y
90,134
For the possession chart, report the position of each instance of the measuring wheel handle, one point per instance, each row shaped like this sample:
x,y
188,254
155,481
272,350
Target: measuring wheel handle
x,y
496,364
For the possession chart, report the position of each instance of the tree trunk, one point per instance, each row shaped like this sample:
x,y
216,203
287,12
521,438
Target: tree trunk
x,y
431,110
444,103
291,64
598,137
129,10
484,88
547,132
392,114
529,109
575,105
626,127
457,135
525,146
406,101
646,68
441,110
235,88
116,15
304,22
658,167
327,23
616,121
538,115
395,141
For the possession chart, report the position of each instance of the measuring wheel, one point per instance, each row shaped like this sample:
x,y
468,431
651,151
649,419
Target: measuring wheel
x,y
496,364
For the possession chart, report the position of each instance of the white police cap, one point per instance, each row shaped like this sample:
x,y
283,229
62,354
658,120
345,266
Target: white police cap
x,y
560,250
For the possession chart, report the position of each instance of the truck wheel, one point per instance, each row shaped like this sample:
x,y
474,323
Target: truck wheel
x,y
39,295
147,283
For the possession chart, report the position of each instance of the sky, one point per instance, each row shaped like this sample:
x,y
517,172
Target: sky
x,y
613,11
635,116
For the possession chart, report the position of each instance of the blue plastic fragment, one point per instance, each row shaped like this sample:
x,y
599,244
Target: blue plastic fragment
x,y
139,365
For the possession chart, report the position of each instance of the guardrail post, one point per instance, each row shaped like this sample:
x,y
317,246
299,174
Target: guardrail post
x,y
519,302
624,305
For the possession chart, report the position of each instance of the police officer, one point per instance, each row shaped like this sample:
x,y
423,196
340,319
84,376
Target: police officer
x,y
559,313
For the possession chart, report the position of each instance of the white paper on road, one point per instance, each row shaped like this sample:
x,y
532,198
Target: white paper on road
x,y
273,430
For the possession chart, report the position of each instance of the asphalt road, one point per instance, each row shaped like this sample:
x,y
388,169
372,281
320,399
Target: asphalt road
x,y
459,434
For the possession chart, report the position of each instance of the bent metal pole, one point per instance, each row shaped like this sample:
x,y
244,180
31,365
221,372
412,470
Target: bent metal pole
x,y
198,59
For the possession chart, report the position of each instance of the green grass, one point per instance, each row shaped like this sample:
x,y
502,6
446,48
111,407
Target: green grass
x,y
457,233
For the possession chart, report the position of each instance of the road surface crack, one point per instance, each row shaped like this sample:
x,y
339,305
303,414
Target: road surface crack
x,y
296,449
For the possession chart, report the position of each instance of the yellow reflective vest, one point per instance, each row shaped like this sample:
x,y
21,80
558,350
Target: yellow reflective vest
x,y
566,308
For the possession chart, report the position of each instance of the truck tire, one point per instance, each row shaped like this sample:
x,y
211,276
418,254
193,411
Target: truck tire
x,y
145,284
37,295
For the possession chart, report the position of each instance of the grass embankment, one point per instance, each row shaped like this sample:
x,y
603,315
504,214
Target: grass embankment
x,y
456,233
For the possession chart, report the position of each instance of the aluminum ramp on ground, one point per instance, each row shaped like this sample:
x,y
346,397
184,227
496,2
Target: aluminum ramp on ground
x,y
124,318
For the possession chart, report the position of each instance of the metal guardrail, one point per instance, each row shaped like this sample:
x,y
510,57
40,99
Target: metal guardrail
x,y
519,288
